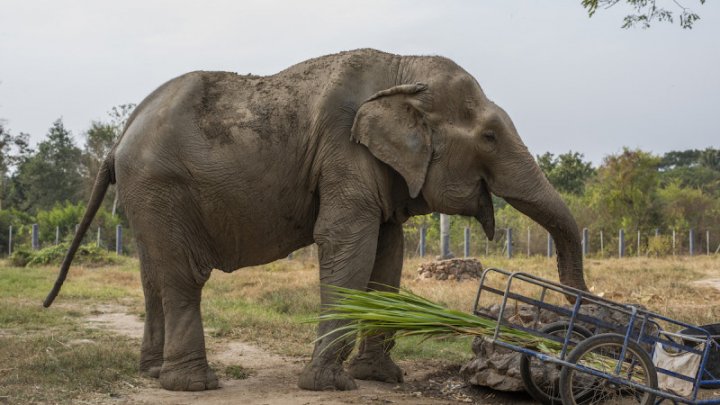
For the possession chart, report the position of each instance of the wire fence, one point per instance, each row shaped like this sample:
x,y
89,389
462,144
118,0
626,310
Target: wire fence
x,y
596,243
422,241
35,237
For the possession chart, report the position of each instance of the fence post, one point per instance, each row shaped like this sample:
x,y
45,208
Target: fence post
x,y
673,238
602,244
549,245
10,240
444,236
528,243
621,243
509,243
35,237
57,235
118,241
638,244
691,237
466,246
585,246
707,242
423,233
97,243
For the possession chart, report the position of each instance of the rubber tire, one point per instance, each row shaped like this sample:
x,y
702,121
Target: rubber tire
x,y
600,340
525,361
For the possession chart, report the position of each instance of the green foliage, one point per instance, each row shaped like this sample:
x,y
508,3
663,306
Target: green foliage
x,y
660,245
21,224
66,216
624,193
646,12
21,257
52,174
684,207
567,172
89,255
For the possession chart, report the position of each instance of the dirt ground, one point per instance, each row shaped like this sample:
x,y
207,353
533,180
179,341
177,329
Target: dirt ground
x,y
271,378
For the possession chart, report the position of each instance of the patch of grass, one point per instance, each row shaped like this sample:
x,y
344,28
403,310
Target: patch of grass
x,y
455,350
33,283
49,368
237,372
27,315
293,301
282,333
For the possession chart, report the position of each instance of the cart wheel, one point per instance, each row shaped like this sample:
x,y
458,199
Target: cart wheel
x,y
601,353
541,378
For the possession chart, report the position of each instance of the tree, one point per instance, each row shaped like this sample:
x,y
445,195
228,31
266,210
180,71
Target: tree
x,y
14,149
99,140
710,158
52,174
684,207
624,193
647,11
692,168
568,173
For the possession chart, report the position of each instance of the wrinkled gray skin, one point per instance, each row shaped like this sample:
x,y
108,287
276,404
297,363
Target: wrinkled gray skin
x,y
220,171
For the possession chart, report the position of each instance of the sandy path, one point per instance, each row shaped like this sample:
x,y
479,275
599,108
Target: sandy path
x,y
709,282
272,379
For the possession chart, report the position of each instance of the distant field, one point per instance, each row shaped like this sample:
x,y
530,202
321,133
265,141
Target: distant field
x,y
43,356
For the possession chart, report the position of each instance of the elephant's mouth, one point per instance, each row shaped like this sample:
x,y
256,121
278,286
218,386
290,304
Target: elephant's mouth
x,y
486,213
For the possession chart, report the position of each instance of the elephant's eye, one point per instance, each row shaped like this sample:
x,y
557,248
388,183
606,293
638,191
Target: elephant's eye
x,y
489,136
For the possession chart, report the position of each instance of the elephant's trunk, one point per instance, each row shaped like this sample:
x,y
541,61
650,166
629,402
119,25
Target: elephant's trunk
x,y
545,206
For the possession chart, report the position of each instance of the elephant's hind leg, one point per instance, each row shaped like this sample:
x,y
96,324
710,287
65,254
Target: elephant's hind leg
x,y
185,366
173,281
151,353
373,361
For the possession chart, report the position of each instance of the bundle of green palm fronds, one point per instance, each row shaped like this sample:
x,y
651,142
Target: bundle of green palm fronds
x,y
407,314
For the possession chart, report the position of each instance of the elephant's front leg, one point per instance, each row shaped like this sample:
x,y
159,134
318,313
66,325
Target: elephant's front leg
x,y
373,360
346,246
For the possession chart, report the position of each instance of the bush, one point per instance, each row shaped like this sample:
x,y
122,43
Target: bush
x,y
20,257
89,255
660,245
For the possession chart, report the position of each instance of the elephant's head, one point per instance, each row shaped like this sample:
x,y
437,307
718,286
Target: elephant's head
x,y
453,146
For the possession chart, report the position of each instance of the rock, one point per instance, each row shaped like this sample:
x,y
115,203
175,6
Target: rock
x,y
494,367
451,269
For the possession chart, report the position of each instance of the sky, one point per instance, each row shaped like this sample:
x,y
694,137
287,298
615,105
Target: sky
x,y
569,82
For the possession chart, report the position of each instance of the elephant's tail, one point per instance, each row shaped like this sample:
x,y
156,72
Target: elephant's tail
x,y
105,177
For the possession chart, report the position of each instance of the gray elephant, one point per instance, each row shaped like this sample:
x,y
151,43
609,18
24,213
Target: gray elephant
x,y
217,170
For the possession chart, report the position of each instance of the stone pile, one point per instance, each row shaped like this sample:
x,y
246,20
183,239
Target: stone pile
x,y
451,269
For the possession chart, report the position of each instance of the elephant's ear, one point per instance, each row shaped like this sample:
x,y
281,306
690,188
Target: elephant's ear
x,y
392,125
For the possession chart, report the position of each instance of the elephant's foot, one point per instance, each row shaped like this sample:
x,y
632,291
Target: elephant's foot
x,y
188,379
379,367
150,366
151,372
326,377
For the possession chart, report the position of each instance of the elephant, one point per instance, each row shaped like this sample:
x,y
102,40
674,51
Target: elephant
x,y
217,170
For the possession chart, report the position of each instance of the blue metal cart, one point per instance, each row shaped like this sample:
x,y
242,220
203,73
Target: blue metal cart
x,y
604,351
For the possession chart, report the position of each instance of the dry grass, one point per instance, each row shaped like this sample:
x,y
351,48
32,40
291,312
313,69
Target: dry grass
x,y
267,305
666,285
48,355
